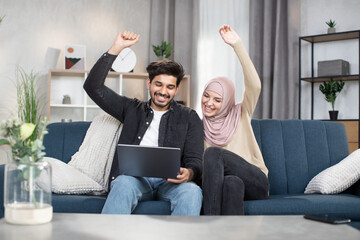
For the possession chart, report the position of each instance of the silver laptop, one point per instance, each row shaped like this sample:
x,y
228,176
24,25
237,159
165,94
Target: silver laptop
x,y
144,161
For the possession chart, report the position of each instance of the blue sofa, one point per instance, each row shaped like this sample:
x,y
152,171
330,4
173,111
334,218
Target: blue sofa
x,y
294,151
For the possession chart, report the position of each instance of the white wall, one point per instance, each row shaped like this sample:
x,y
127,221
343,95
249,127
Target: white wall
x,y
30,27
314,14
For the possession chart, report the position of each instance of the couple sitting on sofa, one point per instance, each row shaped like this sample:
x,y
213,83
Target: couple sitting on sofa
x,y
229,173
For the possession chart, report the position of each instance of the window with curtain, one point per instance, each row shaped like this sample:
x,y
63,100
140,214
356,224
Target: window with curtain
x,y
213,56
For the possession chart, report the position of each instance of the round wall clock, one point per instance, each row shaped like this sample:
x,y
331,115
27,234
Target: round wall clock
x,y
125,61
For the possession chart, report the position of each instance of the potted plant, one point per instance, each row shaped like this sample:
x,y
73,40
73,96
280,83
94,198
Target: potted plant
x,y
330,90
164,50
331,25
27,186
66,99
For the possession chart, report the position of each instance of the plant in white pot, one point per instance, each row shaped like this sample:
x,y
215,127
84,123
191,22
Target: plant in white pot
x,y
331,89
331,24
66,99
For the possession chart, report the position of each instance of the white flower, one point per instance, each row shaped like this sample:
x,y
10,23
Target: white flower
x,y
26,130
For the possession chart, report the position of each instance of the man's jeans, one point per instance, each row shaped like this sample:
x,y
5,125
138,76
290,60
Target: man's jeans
x,y
127,191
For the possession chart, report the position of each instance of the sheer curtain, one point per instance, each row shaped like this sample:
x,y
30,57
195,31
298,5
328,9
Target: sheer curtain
x,y
274,32
213,56
192,26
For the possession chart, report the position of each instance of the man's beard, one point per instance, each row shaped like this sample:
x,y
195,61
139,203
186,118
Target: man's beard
x,y
162,95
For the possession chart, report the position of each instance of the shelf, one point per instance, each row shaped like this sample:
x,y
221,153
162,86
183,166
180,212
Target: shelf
x,y
92,106
345,120
335,78
321,38
67,73
332,37
66,105
81,73
65,81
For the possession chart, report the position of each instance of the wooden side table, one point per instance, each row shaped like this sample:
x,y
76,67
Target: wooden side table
x,y
352,130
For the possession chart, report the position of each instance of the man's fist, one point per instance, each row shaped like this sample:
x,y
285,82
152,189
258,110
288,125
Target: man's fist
x,y
123,40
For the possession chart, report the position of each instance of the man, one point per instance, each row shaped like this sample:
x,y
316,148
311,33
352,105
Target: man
x,y
158,122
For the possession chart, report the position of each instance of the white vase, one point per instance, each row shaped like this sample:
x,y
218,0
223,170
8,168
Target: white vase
x,y
27,193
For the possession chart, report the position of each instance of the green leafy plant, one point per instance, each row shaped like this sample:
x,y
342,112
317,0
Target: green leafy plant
x,y
330,90
25,134
164,50
2,18
25,150
331,23
27,99
66,96
18,136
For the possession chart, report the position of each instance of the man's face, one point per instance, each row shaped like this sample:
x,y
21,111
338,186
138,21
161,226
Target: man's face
x,y
162,90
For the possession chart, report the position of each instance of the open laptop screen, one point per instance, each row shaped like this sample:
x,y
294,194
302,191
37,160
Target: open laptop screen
x,y
144,161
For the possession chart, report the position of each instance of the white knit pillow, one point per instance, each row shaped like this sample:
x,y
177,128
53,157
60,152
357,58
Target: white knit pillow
x,y
96,152
338,177
68,180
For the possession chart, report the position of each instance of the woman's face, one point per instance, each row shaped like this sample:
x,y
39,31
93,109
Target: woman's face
x,y
211,103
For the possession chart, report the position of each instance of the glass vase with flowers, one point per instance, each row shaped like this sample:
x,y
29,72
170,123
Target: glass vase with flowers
x,y
27,187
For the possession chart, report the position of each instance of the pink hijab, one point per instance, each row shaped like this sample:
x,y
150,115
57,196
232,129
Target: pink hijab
x,y
220,129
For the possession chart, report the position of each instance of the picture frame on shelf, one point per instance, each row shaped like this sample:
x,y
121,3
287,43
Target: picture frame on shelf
x,y
75,56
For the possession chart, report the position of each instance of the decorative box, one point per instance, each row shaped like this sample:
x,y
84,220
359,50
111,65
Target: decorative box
x,y
335,67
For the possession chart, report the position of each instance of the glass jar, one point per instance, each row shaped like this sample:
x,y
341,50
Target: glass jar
x,y
27,193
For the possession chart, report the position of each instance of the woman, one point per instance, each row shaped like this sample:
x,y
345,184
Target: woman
x,y
234,168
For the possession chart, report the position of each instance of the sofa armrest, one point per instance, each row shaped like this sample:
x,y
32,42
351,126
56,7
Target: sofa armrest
x,y
2,172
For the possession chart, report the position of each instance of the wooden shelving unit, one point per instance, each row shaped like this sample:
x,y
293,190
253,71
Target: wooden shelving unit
x,y
350,124
82,108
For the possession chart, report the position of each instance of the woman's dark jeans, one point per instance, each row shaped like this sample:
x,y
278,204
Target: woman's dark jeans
x,y
228,180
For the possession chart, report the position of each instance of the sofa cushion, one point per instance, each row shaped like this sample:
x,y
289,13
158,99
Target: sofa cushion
x,y
68,180
96,153
153,208
94,204
64,139
78,203
337,178
291,150
345,205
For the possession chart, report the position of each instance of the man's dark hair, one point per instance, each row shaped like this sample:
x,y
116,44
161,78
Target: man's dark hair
x,y
167,67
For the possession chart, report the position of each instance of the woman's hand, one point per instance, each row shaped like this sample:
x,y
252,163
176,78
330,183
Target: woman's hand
x,y
185,175
123,40
228,35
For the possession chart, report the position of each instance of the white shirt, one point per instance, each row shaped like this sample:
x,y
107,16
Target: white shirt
x,y
151,136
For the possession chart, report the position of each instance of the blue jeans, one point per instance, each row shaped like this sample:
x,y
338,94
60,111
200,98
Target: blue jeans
x,y
127,191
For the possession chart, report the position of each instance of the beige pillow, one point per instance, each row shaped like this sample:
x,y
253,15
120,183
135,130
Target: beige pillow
x,y
338,177
96,152
68,180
